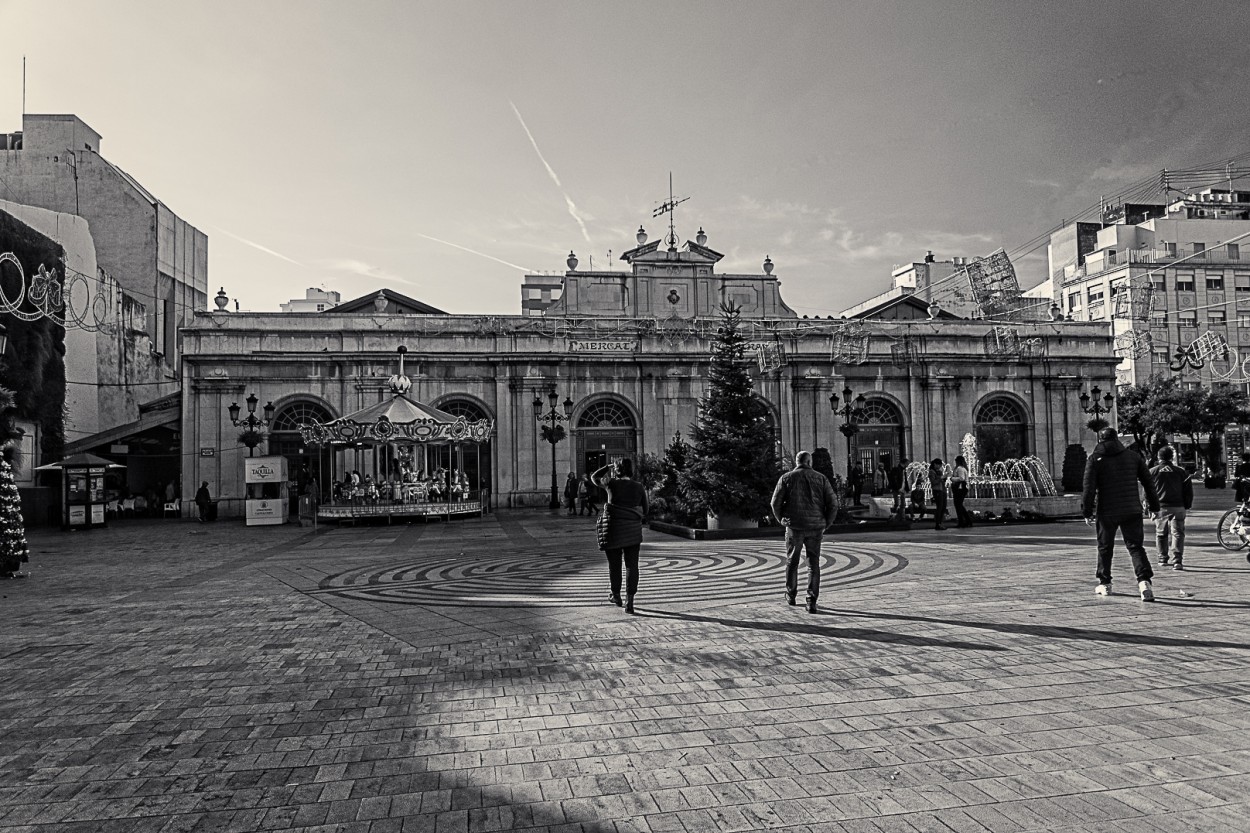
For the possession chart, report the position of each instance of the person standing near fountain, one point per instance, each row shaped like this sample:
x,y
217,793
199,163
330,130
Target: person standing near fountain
x,y
937,482
959,491
1110,502
1176,495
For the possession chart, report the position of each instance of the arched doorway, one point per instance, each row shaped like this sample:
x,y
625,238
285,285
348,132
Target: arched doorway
x,y
475,463
285,440
1001,430
880,438
605,433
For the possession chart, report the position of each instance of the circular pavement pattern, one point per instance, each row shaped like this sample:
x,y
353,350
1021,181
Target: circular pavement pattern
x,y
729,571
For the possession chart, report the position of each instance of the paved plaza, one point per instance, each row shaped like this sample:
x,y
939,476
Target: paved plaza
x,y
172,676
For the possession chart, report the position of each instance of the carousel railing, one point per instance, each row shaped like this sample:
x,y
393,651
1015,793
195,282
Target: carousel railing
x,y
405,499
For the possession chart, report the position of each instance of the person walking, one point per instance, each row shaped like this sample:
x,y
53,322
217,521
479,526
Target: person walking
x,y
1110,502
880,476
959,491
570,494
937,482
1241,478
203,500
803,502
621,531
895,483
1176,496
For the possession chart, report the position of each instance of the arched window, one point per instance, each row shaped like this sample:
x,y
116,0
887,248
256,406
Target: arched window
x,y
1000,410
1001,430
471,411
606,414
291,417
879,411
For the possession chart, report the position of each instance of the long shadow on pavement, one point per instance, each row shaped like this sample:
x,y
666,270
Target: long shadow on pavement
x,y
814,629
1062,632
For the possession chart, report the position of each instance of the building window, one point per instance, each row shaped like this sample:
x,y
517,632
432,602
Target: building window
x,y
321,307
1169,249
1001,430
1159,282
1188,318
1217,317
1074,301
1215,281
1159,355
1243,319
1241,280
1234,251
1200,250
1184,281
1095,296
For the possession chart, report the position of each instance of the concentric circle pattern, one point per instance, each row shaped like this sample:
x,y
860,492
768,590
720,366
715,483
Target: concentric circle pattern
x,y
669,570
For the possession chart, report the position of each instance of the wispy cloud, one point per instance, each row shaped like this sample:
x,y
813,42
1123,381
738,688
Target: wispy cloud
x,y
472,251
363,269
256,245
568,201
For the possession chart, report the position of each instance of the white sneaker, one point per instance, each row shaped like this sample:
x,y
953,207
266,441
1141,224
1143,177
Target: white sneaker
x,y
1103,589
1147,594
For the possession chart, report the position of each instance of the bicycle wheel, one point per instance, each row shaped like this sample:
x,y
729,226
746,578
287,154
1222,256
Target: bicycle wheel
x,y
1228,532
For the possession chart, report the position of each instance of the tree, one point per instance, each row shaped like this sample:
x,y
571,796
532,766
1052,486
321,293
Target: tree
x,y
1155,409
731,467
1073,478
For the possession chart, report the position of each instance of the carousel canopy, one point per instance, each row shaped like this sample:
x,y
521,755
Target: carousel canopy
x,y
398,420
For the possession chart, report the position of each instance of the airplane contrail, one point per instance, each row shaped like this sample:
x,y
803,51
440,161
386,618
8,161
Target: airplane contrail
x,y
254,245
471,251
552,174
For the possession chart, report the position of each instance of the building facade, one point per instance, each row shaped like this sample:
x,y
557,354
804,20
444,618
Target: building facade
x,y
631,350
157,258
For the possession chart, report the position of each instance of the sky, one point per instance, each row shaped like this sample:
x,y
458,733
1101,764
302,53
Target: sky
x,y
444,149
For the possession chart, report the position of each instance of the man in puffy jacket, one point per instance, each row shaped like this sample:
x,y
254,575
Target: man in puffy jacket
x,y
1111,502
1176,495
804,504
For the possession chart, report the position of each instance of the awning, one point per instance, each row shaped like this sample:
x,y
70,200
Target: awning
x,y
170,417
81,461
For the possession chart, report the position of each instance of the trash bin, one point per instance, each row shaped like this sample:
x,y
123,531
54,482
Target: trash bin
x,y
211,514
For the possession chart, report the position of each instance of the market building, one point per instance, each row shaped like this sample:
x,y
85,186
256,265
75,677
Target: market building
x,y
627,352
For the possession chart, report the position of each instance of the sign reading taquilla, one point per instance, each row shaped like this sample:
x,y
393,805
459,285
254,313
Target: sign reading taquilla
x,y
602,346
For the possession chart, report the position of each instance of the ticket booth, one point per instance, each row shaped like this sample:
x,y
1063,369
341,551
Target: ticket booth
x,y
265,479
83,499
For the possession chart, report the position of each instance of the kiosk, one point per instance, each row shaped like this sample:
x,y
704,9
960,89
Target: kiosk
x,y
83,499
266,483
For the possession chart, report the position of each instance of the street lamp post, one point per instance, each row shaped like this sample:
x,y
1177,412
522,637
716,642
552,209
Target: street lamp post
x,y
851,413
252,422
1095,407
552,432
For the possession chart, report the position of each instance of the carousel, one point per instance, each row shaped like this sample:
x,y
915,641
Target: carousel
x,y
417,461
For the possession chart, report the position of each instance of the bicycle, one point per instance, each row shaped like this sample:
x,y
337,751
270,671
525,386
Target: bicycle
x,y
1233,530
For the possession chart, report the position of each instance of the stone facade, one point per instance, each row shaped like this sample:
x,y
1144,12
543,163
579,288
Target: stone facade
x,y
634,382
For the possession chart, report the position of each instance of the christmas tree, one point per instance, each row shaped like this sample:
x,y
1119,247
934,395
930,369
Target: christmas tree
x,y
731,466
13,547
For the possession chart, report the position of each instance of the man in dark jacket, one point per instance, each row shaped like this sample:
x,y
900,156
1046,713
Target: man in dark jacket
x,y
804,503
1111,502
1176,495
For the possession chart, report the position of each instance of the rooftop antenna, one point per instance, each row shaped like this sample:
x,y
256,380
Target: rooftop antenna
x,y
669,208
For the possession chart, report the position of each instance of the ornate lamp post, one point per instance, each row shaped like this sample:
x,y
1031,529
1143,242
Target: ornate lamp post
x,y
251,437
553,432
1092,405
851,413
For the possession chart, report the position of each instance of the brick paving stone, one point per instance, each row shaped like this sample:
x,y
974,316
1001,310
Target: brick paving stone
x,y
215,692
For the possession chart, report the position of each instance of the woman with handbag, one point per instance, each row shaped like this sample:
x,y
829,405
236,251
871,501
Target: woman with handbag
x,y
619,528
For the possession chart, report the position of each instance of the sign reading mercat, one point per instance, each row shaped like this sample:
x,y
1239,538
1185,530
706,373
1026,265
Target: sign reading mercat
x,y
601,346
